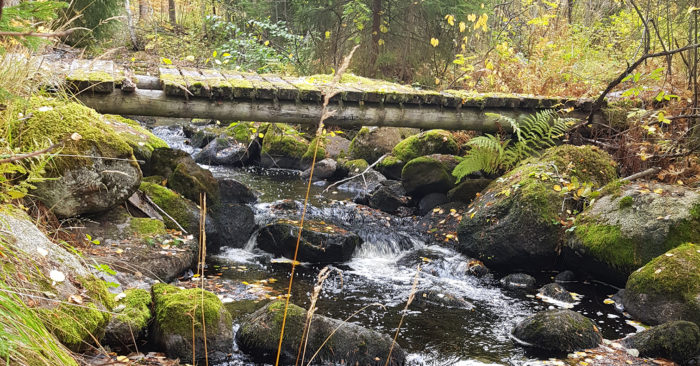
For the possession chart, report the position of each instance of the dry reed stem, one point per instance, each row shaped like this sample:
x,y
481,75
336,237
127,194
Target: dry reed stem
x,y
325,113
411,296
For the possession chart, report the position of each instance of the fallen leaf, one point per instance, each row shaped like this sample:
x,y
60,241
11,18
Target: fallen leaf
x,y
77,299
57,276
557,188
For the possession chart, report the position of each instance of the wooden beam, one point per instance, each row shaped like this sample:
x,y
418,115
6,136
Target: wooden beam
x,y
157,103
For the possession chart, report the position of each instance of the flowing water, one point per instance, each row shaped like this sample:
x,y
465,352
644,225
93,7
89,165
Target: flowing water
x,y
380,275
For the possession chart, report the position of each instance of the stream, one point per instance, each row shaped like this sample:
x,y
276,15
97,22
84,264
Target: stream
x,y
381,274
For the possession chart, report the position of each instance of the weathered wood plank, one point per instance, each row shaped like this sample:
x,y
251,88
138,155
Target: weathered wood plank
x,y
219,86
308,92
263,88
172,82
91,75
242,88
284,90
196,83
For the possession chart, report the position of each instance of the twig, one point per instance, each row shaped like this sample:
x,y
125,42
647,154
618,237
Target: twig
x,y
30,155
41,35
362,174
641,174
165,213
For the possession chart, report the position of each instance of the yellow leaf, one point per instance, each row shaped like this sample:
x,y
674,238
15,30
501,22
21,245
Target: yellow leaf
x,y
380,42
437,81
557,188
450,19
658,191
472,215
462,27
608,301
267,43
214,54
122,359
328,34
245,283
434,42
261,135
167,61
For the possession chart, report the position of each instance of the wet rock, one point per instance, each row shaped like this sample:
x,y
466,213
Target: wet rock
x,y
625,228
233,191
518,281
320,242
142,141
510,228
388,196
351,344
200,138
558,331
431,297
176,310
565,276
426,143
324,169
429,174
430,201
183,175
556,292
467,190
163,161
365,183
678,341
391,167
373,142
667,288
130,322
477,268
283,147
235,223
223,151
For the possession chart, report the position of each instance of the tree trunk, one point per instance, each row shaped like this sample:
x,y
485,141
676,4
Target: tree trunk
x,y
376,36
569,10
171,13
143,10
130,25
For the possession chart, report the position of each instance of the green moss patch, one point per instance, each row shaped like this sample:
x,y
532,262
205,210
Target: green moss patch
x,y
137,311
145,227
674,275
177,310
175,205
282,140
426,143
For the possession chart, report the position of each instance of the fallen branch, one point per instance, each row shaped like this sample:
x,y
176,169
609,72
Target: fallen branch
x,y
641,174
164,213
362,174
30,155
41,35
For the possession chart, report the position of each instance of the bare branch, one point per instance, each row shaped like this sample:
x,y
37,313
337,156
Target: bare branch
x,y
41,35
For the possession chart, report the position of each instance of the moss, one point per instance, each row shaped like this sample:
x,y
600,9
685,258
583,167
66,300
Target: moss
x,y
426,143
56,120
241,131
142,141
137,311
587,163
92,76
355,166
613,188
97,290
675,275
610,245
389,161
626,202
282,140
155,179
320,154
75,326
172,203
177,309
147,227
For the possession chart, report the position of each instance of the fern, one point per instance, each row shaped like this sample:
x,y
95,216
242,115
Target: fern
x,y
533,134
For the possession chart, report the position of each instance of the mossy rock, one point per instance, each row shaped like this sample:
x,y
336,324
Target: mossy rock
x,y
558,332
320,153
371,143
85,182
667,288
426,143
184,211
624,230
353,167
351,344
429,174
191,180
178,311
467,190
142,141
146,227
515,222
391,167
678,341
283,147
131,321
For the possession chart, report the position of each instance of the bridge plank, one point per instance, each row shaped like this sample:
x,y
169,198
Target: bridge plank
x,y
91,75
263,88
220,88
346,93
196,82
308,92
242,88
284,90
172,82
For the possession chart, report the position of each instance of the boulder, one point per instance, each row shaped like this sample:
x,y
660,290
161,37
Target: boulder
x,y
183,175
467,189
678,341
667,288
351,344
391,167
142,141
518,281
323,170
429,174
430,201
630,225
558,332
555,291
426,143
177,311
223,151
351,167
363,184
320,242
373,142
515,222
180,209
233,191
430,297
337,147
565,276
388,196
130,321
283,147
235,223
94,173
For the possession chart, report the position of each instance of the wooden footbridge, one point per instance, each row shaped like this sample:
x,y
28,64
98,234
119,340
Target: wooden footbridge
x,y
229,95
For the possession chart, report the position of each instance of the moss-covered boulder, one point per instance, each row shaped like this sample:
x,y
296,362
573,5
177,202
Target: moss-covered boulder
x,y
183,175
177,311
373,142
429,174
352,167
631,225
391,167
667,288
283,147
467,190
678,341
223,151
96,171
179,208
32,262
351,344
142,141
127,327
321,242
426,143
558,332
515,222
